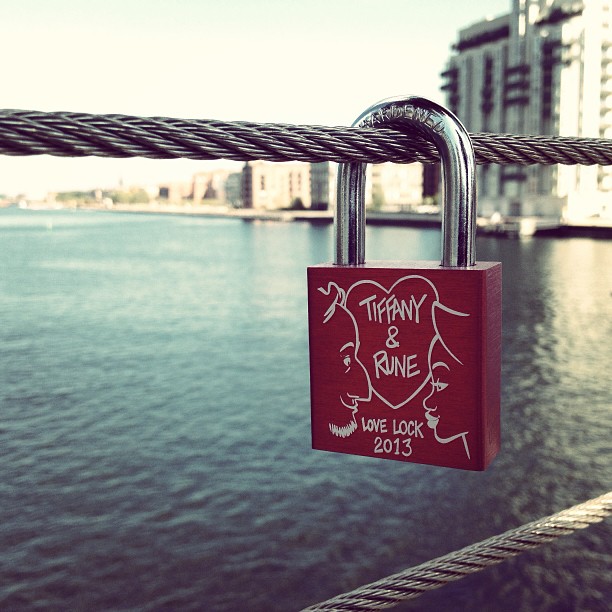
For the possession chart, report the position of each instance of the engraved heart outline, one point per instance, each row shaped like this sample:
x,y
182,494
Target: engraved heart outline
x,y
437,337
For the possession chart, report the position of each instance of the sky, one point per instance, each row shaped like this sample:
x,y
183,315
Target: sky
x,y
313,62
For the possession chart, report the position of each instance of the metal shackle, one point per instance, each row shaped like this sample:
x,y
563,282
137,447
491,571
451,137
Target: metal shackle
x,y
453,143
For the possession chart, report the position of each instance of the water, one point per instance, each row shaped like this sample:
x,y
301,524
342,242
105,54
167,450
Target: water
x,y
154,425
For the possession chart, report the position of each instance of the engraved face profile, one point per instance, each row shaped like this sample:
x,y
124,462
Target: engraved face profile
x,y
346,375
440,361
438,375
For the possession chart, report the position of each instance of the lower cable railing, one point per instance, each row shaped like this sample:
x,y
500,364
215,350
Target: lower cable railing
x,y
70,134
411,583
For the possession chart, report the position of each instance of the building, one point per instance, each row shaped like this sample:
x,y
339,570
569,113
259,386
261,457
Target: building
x,y
268,185
394,187
210,186
233,189
388,186
323,185
544,68
176,192
219,186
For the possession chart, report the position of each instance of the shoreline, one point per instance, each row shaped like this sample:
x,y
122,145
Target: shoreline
x,y
516,227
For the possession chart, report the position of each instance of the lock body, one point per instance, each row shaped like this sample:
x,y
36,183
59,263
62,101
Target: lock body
x,y
405,361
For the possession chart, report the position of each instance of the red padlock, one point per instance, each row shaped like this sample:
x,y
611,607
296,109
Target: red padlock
x,y
405,356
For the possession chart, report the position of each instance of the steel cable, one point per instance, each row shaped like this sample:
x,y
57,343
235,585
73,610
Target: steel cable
x,y
433,574
71,134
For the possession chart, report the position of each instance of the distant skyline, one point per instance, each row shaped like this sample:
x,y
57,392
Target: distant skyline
x,y
315,62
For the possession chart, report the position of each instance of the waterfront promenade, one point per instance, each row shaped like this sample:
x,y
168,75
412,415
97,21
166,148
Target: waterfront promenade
x,y
507,226
503,226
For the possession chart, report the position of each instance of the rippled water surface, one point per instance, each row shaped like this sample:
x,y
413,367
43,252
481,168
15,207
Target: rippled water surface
x,y
155,424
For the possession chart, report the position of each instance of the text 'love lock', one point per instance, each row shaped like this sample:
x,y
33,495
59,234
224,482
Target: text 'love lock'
x,y
405,357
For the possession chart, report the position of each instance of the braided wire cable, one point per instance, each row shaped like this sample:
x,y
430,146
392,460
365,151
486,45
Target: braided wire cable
x,y
71,134
411,583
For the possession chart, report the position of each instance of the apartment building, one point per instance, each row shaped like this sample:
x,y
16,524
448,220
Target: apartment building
x,y
210,185
213,186
265,185
268,185
544,68
388,186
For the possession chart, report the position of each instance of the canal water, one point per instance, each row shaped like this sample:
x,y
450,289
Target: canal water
x,y
155,424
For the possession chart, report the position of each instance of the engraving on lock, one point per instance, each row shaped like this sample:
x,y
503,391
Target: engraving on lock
x,y
405,357
402,341
403,111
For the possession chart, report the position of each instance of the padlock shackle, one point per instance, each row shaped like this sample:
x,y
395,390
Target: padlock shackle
x,y
452,141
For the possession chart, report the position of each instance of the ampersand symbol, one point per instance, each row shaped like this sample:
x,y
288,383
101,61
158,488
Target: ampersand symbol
x,y
391,341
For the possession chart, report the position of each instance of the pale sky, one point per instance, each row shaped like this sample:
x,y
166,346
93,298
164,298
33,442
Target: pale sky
x,y
316,62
